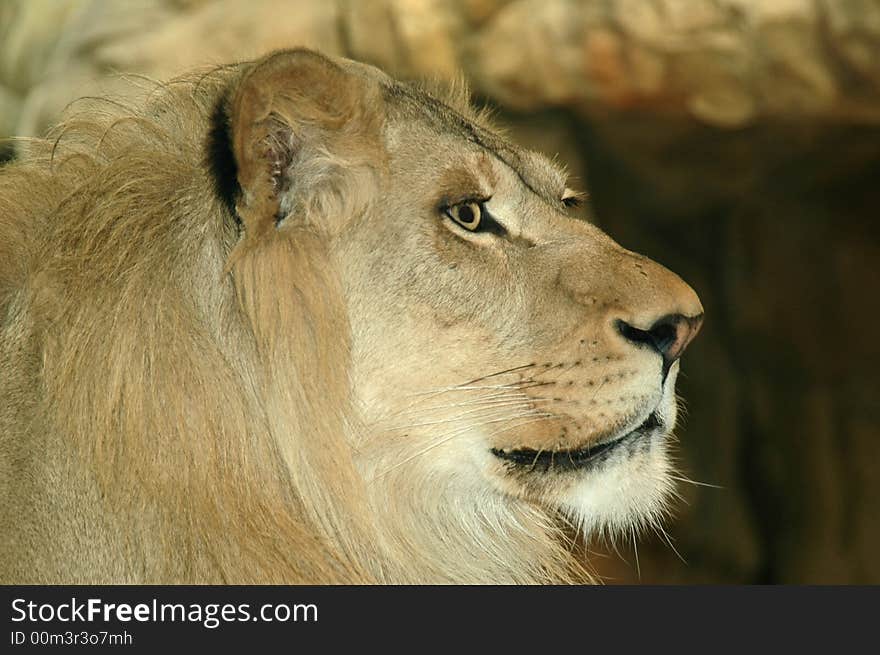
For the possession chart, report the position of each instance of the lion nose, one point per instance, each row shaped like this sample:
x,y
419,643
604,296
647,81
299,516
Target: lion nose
x,y
668,336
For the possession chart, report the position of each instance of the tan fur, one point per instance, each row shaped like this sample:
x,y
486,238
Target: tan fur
x,y
309,391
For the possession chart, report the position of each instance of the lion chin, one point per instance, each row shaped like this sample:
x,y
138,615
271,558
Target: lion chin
x,y
626,485
293,321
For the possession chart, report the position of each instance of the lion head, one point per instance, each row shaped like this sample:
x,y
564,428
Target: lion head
x,y
308,323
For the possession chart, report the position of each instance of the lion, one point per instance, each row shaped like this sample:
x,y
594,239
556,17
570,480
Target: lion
x,y
293,321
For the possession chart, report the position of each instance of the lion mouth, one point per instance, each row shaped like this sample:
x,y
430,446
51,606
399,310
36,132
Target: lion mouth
x,y
578,458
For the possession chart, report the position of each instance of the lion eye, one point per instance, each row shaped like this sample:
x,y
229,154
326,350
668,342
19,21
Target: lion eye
x,y
472,215
466,214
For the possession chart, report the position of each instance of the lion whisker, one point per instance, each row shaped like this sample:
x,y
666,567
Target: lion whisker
x,y
659,531
457,417
531,384
504,372
432,393
416,406
682,478
428,394
534,419
535,461
635,543
463,388
501,400
447,438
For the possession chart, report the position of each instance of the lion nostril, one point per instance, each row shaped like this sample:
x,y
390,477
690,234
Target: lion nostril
x,y
668,336
634,334
664,335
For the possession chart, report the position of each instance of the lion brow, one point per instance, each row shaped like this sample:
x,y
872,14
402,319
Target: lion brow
x,y
445,116
543,188
459,184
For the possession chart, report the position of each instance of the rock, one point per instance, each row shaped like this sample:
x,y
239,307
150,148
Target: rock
x,y
794,75
529,56
854,28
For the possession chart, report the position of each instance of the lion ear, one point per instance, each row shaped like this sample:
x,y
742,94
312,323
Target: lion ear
x,y
300,123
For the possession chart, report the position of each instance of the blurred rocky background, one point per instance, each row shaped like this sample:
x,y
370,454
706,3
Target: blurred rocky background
x,y
735,141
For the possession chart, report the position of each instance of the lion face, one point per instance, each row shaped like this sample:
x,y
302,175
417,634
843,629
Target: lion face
x,y
500,344
505,358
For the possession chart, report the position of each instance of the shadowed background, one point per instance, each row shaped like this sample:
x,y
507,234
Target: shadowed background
x,y
735,141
